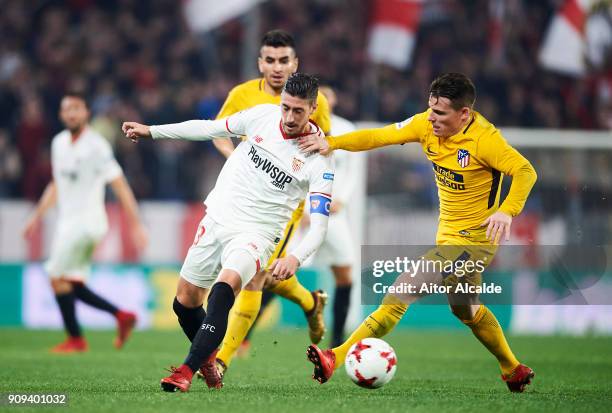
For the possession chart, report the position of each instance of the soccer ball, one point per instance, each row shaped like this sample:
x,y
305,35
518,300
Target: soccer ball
x,y
371,363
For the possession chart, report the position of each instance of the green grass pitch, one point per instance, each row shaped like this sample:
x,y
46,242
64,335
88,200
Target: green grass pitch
x,y
437,371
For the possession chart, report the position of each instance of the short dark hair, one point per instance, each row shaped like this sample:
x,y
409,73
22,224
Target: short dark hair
x,y
78,95
456,87
302,86
278,38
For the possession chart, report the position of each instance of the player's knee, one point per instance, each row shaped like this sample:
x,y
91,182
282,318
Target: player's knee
x,y
270,282
189,295
232,278
239,267
181,310
342,275
61,286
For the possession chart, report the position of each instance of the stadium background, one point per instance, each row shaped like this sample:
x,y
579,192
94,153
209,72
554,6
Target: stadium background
x,y
146,61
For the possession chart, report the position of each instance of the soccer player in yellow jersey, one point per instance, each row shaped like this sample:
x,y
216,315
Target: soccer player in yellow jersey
x,y
277,61
469,157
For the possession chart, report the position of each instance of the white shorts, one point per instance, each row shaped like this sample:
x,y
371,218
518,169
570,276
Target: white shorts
x,y
217,247
337,249
72,249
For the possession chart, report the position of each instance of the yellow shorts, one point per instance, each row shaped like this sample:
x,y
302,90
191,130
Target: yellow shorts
x,y
462,258
292,225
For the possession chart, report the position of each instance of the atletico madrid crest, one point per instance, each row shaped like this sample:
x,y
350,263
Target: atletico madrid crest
x,y
463,157
297,164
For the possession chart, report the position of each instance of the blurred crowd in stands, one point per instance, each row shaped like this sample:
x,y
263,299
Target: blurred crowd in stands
x,y
139,61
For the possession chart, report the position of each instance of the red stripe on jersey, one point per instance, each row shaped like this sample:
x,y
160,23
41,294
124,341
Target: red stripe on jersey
x,y
227,126
258,265
321,193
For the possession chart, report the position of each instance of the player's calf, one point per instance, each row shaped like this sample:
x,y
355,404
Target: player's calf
x,y
214,326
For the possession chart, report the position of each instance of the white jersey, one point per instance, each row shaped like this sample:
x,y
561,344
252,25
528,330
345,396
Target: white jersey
x,y
81,170
266,176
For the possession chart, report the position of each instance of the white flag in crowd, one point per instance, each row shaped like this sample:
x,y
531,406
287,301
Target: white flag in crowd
x,y
205,15
564,47
393,31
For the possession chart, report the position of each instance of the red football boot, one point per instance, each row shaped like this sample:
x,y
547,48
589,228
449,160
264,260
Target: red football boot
x,y
125,324
213,374
71,345
180,379
324,363
519,378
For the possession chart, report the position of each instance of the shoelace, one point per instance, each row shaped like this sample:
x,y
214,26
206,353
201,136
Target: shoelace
x,y
172,369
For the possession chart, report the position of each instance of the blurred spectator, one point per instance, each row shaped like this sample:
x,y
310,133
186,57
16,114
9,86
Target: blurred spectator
x,y
33,135
138,60
10,166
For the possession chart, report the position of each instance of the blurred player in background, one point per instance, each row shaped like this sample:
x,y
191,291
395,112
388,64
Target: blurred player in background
x,y
337,249
277,61
260,186
469,156
83,163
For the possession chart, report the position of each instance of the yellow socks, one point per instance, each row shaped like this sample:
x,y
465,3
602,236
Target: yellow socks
x,y
487,329
291,289
377,324
240,321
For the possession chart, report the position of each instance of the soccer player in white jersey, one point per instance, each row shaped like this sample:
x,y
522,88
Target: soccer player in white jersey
x,y
83,163
337,249
259,187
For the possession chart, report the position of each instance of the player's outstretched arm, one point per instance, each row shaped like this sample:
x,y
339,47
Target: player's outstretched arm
x,y
361,140
47,200
191,130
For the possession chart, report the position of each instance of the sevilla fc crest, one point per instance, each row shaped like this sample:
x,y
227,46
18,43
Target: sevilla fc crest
x,y
297,164
463,158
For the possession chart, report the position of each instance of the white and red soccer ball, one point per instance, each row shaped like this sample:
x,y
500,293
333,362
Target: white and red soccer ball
x,y
371,363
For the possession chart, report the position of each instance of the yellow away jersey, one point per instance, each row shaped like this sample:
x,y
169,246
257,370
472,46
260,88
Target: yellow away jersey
x,y
252,93
468,167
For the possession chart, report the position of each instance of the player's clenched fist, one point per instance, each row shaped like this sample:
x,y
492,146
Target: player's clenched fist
x,y
135,130
284,268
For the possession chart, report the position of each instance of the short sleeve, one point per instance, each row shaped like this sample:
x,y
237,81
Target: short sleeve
x,y
321,178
